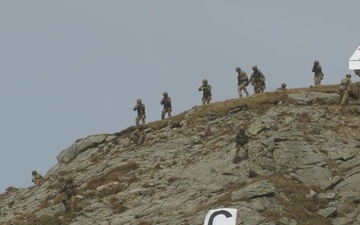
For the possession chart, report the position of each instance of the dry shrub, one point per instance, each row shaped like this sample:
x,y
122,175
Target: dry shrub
x,y
172,179
145,223
299,207
304,117
308,138
113,175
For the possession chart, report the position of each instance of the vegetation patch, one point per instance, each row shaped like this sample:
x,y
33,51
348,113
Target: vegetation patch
x,y
115,174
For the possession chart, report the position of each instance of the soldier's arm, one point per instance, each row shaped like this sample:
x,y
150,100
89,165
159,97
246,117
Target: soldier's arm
x,y
209,87
201,88
135,108
162,101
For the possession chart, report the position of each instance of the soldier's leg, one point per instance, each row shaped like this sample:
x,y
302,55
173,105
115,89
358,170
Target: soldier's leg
x,y
73,203
239,91
66,204
236,154
208,99
163,114
244,88
143,119
345,98
203,100
246,150
137,120
169,112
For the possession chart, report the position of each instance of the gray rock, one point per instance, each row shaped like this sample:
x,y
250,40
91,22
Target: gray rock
x,y
80,146
328,212
305,98
258,189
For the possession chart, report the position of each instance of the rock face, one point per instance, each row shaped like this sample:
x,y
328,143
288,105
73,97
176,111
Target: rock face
x,y
303,168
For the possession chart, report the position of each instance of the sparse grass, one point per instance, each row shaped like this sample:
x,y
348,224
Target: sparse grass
x,y
299,207
115,174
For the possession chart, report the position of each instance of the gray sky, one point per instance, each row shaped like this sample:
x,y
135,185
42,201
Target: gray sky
x,y
70,69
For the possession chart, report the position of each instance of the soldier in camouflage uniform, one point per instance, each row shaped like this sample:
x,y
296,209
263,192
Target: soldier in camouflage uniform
x,y
241,141
37,178
166,102
206,89
282,88
139,135
257,79
140,108
68,194
243,82
318,74
345,88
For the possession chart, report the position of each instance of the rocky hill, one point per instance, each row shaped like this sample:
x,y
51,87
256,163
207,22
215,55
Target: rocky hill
x,y
303,168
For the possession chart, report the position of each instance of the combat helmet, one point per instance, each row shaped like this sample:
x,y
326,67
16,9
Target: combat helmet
x,y
348,75
316,62
33,172
138,100
237,69
254,68
283,85
165,94
204,81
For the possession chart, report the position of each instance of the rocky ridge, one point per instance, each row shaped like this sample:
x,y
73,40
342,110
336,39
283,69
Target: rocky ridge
x,y
304,168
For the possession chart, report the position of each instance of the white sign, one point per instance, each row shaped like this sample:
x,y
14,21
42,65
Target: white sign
x,y
224,216
354,61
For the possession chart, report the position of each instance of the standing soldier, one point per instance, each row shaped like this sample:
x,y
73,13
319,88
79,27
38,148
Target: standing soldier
x,y
166,102
282,88
243,82
140,108
68,192
345,88
318,74
241,140
257,79
206,89
37,178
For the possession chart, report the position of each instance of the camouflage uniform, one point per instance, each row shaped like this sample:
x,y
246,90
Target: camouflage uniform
x,y
257,79
282,88
243,82
37,178
166,102
206,89
138,136
241,141
68,192
318,74
140,108
345,88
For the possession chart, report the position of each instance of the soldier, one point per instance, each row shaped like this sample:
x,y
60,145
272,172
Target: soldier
x,y
68,192
243,82
206,89
138,136
345,88
241,140
166,102
140,108
282,87
318,74
37,178
257,79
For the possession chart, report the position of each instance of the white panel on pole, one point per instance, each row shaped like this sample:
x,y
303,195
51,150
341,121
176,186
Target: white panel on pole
x,y
354,61
223,216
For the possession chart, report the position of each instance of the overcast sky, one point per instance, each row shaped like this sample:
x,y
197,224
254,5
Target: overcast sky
x,y
74,68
